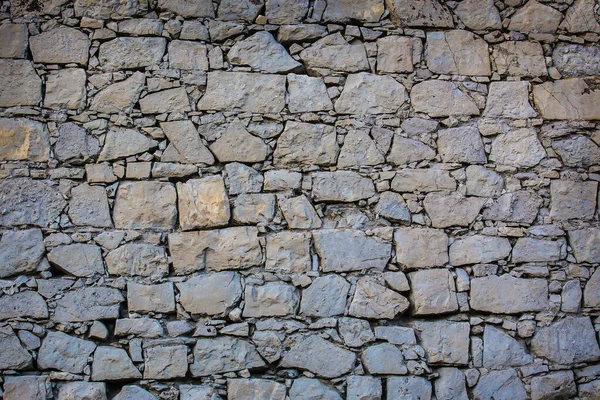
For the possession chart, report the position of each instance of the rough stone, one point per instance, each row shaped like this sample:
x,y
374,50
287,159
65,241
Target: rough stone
x,y
317,355
299,213
572,199
88,304
166,362
350,250
26,304
479,249
519,148
553,386
223,354
108,9
165,101
270,299
392,206
569,341
580,18
521,206
423,180
360,387
198,392
588,391
197,9
61,45
530,250
213,294
457,52
139,259
65,89
25,387
300,33
501,350
23,139
21,252
447,210
288,252
123,142
64,353
478,15
78,259
203,203
304,388
263,53
344,11
405,151
13,355
120,96
421,247
445,342
188,55
578,151
519,59
419,13
237,144
134,392
286,12
20,85
89,206
82,390
355,332
433,292
13,40
508,295
74,145
408,387
254,208
441,99
113,364
186,140
306,144
461,145
325,297
366,94
150,298
395,54
584,243
383,359
246,10
372,300
535,18
482,182
451,384
334,53
280,180
307,94
571,296
255,389
145,205
343,186
570,99
131,52
509,100
504,384
142,327
29,202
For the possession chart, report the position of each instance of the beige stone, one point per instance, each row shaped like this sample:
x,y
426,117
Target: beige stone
x,y
237,144
395,54
145,205
509,100
20,85
203,203
580,17
306,144
61,45
419,13
23,139
446,210
372,300
366,93
66,89
421,247
441,99
432,292
520,59
457,52
534,17
573,98
422,180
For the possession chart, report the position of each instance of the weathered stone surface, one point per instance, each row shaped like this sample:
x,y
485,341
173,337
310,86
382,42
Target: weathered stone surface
x,y
334,53
29,202
195,392
408,387
441,99
588,391
478,15
585,244
509,100
395,54
108,9
350,250
89,206
345,11
141,26
255,389
88,304
405,151
131,52
65,89
457,52
446,210
580,17
120,96
421,247
571,98
571,296
317,355
307,94
263,53
451,384
270,299
145,205
569,341
573,199
433,292
519,59
482,182
78,259
530,249
134,392
122,142
230,248
82,390
299,213
137,259
306,144
142,327
74,145
504,384
246,10
508,295
165,101
535,18
254,208
392,206
555,385
344,186
203,203
21,252
366,93
13,40
186,140
479,249
113,364
279,180
355,332
13,355
26,304
61,45
360,387
423,180
519,148
303,388
166,362
223,354
461,145
421,13
286,12
300,33
188,55
237,144
23,139
501,350
197,9
25,387
20,85
212,294
445,342
520,206
150,298
260,93
288,252
372,300
325,297
64,353
578,151
383,359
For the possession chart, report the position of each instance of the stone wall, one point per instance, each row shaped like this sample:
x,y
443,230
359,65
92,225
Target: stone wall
x,y
277,199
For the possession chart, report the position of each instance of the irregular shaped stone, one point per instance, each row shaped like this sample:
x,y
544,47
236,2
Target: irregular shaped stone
x,y
422,180
270,299
334,53
588,391
555,385
433,292
23,139
346,11
446,210
120,96
303,388
300,33
478,16
355,332
325,297
141,27
395,54
113,364
78,259
254,208
186,140
221,30
570,99
383,359
285,12
359,150
374,301
166,362
13,355
392,206
317,355
255,389
307,94
479,249
188,55
341,186
134,392
519,59
530,250
165,101
578,151
64,353
203,203
572,199
142,327
445,342
441,99
367,94
145,205
82,390
223,354
194,392
585,244
88,304
20,85
259,93
535,18
521,206
504,384
451,384
25,304
421,247
65,89
21,252
61,45
237,144
122,142
246,10
25,387
288,252
501,350
461,145
580,18
306,144
419,13
360,387
229,248
213,294
509,100
482,182
350,250
508,295
571,296
150,298
137,259
268,344
27,201
569,341
263,53
131,52
89,206
74,145
457,52
109,9
13,40
197,9
408,387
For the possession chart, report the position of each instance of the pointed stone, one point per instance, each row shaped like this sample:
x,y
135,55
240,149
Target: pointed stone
x,y
79,259
185,139
237,144
122,142
374,301
120,96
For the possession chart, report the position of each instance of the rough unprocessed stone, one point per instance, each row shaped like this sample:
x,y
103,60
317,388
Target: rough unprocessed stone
x,y
260,93
408,387
445,342
571,296
508,295
165,101
553,386
304,388
482,182
186,140
300,33
89,206
185,54
26,304
131,52
113,364
342,186
395,54
366,93
78,259
150,298
396,334
306,144
65,89
501,350
23,139
13,355
441,99
134,392
317,355
520,206
334,53
263,53
120,96
82,390
421,247
580,18
461,145
447,210
355,332
137,259
195,392
509,100
345,11
13,40
246,10
520,59
74,145
203,203
519,148
25,387
419,13
88,304
478,15
62,45
535,18
325,297
504,384
350,250
530,250
145,205
254,208
569,341
211,294
166,362
571,99
392,206
288,252
585,244
215,250
197,9
405,151
372,300
423,180
479,249
451,384
588,391
123,142
142,327
141,27
361,387
108,9
237,144
21,251
578,151
223,354
20,85
286,12
457,52
573,199
26,201
255,389
433,292
383,359
270,299
64,353
299,213
307,94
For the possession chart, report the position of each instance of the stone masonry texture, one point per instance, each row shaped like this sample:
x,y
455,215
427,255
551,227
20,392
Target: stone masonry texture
x,y
299,199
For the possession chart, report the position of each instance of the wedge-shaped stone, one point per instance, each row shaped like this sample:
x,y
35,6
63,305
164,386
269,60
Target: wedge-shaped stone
x,y
445,342
504,384
347,11
88,304
573,199
421,247
89,206
171,100
23,139
457,52
441,99
317,355
585,244
432,292
150,298
79,259
359,150
392,206
306,144
307,94
350,250
345,186
223,354
75,145
186,140
479,249
185,54
288,252
571,340
137,259
577,152
213,294
508,295
62,45
461,145
120,96
509,100
131,52
520,59
20,85
27,201
535,18
521,206
501,350
65,353
422,180
122,142
145,205
421,13
573,98
263,53
374,301
325,297
113,364
21,251
334,53
270,300
13,355
529,249
259,93
405,151
449,209
366,94
580,17
203,203
196,9
230,248
109,9
26,304
479,15
237,144
65,89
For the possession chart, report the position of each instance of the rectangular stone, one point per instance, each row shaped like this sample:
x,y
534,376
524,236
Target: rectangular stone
x,y
508,295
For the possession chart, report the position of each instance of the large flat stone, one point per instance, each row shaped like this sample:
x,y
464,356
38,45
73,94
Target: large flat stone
x,y
131,52
65,89
21,251
432,292
223,354
184,137
334,53
120,96
62,45
123,142
572,99
212,294
520,59
139,259
457,52
479,249
347,11
203,203
568,341
519,148
449,209
270,300
419,13
306,144
263,53
89,206
421,247
20,85
317,355
441,99
445,342
79,259
508,295
341,186
374,301
23,139
88,304
366,94
145,205
65,353
26,304
573,199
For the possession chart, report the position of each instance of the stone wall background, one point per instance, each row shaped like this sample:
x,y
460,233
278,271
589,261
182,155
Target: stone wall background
x,y
319,200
